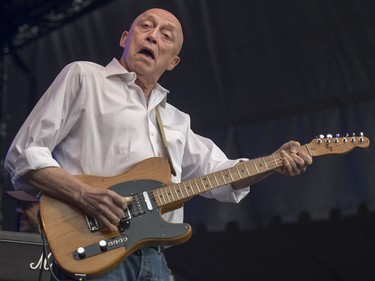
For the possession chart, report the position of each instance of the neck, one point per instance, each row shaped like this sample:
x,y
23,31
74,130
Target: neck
x,y
146,86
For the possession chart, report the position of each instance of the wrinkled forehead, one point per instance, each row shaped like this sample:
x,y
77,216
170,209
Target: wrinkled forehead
x,y
161,15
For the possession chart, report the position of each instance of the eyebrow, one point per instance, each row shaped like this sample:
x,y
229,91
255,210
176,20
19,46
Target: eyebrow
x,y
168,25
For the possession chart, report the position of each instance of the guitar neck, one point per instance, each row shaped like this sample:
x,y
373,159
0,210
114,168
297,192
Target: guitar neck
x,y
187,189
180,192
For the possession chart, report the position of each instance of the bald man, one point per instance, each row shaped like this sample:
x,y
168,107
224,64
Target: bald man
x,y
101,120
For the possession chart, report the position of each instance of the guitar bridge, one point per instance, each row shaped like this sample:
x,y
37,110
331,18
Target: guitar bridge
x,y
94,225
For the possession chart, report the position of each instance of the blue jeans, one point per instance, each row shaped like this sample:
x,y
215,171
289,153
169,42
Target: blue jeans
x,y
147,264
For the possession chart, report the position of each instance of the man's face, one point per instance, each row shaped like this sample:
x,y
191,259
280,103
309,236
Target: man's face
x,y
28,216
152,44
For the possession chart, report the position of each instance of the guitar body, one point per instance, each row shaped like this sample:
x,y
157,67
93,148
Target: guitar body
x,y
67,229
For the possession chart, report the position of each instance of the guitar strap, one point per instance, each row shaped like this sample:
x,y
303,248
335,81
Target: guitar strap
x,y
161,128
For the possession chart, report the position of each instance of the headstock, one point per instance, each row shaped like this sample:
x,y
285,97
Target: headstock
x,y
336,145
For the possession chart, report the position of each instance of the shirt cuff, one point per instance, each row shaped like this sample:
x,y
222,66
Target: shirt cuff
x,y
227,194
33,158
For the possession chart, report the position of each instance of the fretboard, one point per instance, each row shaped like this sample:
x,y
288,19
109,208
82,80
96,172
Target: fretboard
x,y
185,190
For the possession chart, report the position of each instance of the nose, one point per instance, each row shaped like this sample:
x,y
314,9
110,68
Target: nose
x,y
151,38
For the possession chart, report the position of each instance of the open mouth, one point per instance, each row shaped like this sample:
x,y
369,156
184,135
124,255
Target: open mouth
x,y
147,53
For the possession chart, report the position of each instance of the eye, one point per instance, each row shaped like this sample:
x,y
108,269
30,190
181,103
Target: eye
x,y
145,25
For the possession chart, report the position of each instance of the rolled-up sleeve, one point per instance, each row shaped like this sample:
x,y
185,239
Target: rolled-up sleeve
x,y
33,158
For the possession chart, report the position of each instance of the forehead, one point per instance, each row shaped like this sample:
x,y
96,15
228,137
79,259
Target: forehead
x,y
162,17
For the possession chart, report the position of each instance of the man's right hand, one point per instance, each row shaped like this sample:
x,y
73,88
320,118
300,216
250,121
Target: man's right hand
x,y
105,205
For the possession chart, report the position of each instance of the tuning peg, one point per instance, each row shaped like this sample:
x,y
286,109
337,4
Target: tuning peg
x,y
319,138
353,137
337,138
328,140
361,139
344,139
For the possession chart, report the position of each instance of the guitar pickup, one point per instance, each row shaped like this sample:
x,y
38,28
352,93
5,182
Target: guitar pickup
x,y
138,206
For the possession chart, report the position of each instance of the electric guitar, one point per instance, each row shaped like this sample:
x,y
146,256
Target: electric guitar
x,y
81,246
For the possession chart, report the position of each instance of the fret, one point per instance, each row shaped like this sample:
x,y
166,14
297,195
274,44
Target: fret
x,y
169,194
182,187
222,175
230,174
308,149
220,178
212,181
208,182
166,197
162,196
194,189
203,184
239,172
217,182
187,189
196,184
157,197
177,190
274,159
256,168
173,193
265,163
248,172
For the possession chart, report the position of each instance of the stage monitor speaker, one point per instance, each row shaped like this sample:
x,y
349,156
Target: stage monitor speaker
x,y
21,257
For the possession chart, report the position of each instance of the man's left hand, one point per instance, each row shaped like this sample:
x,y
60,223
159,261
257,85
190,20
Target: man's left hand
x,y
295,160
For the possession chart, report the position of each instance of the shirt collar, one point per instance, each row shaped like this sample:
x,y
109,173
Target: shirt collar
x,y
115,68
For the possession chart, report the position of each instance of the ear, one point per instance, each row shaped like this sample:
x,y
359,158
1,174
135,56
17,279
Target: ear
x,y
124,35
173,63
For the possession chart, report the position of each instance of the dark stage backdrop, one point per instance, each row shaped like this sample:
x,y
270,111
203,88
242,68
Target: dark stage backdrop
x,y
254,74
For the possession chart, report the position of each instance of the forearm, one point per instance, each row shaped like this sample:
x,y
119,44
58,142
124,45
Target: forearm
x,y
56,182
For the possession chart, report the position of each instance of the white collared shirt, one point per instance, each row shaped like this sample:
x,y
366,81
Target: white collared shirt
x,y
95,120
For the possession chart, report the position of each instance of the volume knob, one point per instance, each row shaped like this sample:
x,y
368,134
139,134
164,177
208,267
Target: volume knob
x,y
81,252
103,245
